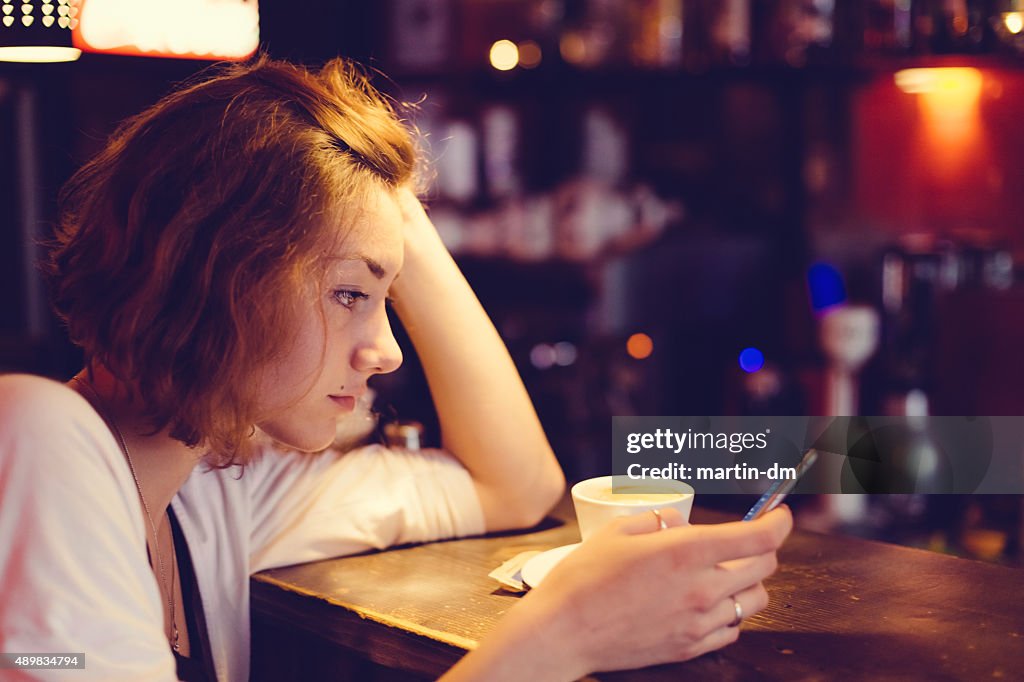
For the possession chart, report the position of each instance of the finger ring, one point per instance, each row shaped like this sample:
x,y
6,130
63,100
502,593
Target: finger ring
x,y
739,613
661,522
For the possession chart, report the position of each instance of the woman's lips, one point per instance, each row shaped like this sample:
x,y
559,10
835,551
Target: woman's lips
x,y
345,402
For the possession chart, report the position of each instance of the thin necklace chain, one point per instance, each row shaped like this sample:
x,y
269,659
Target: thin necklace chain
x,y
156,540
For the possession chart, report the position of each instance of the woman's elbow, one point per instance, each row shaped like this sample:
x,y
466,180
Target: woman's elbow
x,y
549,490
508,509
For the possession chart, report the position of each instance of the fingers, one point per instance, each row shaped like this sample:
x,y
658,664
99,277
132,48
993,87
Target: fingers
x,y
704,567
732,577
714,544
738,554
691,549
648,522
719,623
408,203
752,601
717,639
718,627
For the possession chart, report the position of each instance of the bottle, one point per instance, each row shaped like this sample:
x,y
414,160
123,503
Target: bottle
x,y
888,26
1007,24
793,32
657,35
911,278
500,141
849,337
913,462
953,26
404,434
729,24
421,35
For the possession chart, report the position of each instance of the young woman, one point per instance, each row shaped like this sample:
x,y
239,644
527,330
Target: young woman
x,y
225,263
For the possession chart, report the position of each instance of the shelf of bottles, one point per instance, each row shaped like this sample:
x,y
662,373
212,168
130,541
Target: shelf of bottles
x,y
504,83
693,36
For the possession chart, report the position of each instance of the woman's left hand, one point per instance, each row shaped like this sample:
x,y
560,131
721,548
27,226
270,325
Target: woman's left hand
x,y
487,419
419,232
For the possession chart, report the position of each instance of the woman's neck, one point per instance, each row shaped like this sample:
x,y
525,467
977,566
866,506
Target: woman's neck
x,y
162,464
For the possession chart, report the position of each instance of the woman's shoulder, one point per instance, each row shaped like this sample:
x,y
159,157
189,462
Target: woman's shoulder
x,y
30,383
43,418
31,398
29,387
74,567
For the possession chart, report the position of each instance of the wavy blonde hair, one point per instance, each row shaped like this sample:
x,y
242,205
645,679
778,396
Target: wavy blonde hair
x,y
182,247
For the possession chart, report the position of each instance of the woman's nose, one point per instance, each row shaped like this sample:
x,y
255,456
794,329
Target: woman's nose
x,y
380,354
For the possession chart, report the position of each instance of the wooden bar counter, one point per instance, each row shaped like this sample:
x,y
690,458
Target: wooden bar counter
x,y
841,608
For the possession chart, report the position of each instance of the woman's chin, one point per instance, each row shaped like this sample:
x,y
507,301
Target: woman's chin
x,y
303,440
311,447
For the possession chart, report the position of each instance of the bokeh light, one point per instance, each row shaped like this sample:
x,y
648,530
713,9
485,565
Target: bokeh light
x,y
751,360
825,285
639,346
529,54
565,353
504,55
1014,22
543,356
573,48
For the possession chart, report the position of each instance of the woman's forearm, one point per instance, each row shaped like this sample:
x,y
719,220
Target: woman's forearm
x,y
487,419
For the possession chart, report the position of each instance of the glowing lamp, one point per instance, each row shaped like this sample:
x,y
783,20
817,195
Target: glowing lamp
x,y
1013,21
186,29
1008,22
947,99
951,82
38,30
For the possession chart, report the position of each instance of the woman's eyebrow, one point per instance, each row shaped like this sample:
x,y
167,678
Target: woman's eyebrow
x,y
372,264
374,267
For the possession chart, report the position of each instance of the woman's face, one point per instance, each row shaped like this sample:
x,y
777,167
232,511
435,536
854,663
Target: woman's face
x,y
343,334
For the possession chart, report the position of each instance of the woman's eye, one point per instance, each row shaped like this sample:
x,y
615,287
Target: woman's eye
x,y
349,297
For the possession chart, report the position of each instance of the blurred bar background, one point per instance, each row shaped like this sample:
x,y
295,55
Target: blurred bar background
x,y
667,207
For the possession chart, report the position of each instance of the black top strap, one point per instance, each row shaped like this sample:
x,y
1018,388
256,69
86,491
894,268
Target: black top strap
x,y
199,666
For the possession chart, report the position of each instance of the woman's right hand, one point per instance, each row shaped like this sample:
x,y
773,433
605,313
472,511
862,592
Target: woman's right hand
x,y
633,595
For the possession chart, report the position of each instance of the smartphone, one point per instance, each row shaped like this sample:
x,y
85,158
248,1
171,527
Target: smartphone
x,y
778,490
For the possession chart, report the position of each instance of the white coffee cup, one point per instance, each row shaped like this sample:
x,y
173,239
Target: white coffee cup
x,y
601,500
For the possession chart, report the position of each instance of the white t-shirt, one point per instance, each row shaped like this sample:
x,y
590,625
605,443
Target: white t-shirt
x,y
74,576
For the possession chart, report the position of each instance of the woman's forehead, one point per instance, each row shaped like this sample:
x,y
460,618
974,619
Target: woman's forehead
x,y
374,238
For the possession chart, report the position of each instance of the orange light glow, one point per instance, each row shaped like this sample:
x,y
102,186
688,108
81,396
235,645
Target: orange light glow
x,y
956,81
573,48
1013,21
948,104
639,346
529,54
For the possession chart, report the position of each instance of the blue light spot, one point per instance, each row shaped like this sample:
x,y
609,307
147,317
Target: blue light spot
x,y
751,360
826,287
